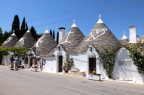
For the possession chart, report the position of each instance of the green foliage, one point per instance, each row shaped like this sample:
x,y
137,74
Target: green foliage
x,y
16,26
23,27
137,54
33,32
107,58
53,34
26,27
57,40
1,37
68,63
6,35
17,51
4,51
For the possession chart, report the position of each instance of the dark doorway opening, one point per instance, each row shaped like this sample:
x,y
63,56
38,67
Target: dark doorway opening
x,y
31,61
92,65
60,63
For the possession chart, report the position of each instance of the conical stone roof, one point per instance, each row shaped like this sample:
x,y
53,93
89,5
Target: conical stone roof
x,y
27,40
11,41
72,39
100,36
45,44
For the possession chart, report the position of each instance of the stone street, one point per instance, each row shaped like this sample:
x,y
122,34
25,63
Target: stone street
x,y
25,82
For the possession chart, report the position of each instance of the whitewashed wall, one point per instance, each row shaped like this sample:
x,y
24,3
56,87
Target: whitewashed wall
x,y
81,62
50,65
137,77
123,71
6,59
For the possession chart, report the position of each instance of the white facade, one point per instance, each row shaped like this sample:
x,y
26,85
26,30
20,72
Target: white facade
x,y
124,69
51,65
6,59
81,62
133,35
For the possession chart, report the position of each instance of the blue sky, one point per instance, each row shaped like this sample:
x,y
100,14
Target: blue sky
x,y
118,15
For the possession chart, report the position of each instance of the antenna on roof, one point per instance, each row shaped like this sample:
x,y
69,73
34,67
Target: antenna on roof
x,y
73,20
124,32
47,27
73,25
99,16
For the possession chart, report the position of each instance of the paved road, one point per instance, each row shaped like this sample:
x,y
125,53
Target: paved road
x,y
25,82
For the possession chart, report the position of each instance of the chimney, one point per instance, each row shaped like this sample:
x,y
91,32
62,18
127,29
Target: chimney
x,y
61,33
133,35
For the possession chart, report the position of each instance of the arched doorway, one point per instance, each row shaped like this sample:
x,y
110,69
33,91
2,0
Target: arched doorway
x,y
92,64
60,63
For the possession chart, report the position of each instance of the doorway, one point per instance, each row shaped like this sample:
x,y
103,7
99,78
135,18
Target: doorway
x,y
92,65
60,63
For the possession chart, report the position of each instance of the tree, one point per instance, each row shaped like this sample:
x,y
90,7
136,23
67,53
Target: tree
x,y
16,26
53,34
26,27
1,37
107,58
33,32
137,54
6,35
23,27
57,40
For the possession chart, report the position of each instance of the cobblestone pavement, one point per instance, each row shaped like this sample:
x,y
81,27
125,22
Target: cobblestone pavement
x,y
25,82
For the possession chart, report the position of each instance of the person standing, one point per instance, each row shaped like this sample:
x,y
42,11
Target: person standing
x,y
22,62
41,64
12,62
16,62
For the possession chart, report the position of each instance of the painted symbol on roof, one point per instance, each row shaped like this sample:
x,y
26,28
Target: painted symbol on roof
x,y
97,33
22,41
8,40
66,41
39,41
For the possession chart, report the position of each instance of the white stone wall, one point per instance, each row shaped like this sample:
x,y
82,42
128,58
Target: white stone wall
x,y
137,77
6,59
50,65
123,71
81,62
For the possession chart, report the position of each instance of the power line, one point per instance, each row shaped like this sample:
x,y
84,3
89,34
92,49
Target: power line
x,y
100,12
103,11
70,11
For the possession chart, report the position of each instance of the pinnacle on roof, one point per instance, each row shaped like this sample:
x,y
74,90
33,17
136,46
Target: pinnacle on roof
x,y
73,25
28,30
124,36
100,20
13,34
46,30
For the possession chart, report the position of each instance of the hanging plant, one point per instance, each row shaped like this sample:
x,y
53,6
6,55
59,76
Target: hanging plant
x,y
68,63
137,54
107,58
